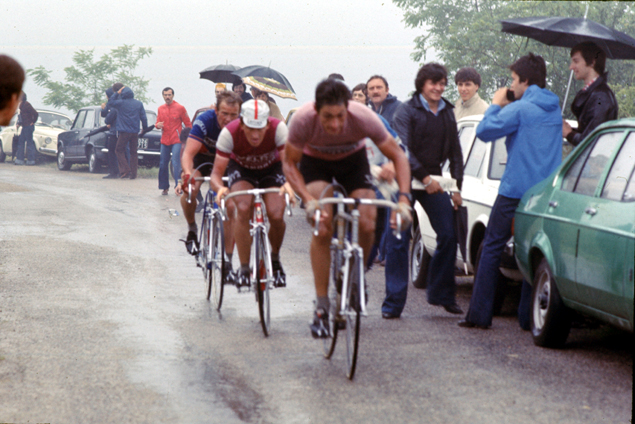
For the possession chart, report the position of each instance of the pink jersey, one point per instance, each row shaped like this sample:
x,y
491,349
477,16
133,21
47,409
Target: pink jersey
x,y
306,132
233,144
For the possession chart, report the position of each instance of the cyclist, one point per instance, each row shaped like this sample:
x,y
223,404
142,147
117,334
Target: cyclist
x,y
326,140
200,148
250,149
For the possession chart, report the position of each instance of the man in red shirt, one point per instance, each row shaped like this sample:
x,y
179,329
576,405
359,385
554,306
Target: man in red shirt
x,y
171,119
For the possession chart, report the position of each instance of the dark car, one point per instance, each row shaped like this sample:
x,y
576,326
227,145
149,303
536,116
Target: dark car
x,y
74,146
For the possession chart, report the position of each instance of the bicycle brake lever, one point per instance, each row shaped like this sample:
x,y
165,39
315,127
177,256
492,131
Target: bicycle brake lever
x,y
189,192
397,231
223,212
288,207
317,222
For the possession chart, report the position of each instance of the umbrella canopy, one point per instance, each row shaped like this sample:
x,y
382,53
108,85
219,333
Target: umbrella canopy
x,y
270,86
567,32
220,73
264,71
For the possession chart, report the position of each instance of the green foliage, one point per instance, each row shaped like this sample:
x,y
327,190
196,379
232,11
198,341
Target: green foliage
x,y
626,100
468,33
87,79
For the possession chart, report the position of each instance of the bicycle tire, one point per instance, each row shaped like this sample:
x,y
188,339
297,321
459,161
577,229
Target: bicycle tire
x,y
352,314
215,287
335,287
203,256
263,273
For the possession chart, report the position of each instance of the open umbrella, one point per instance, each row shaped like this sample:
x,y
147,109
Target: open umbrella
x,y
270,86
567,32
263,71
220,73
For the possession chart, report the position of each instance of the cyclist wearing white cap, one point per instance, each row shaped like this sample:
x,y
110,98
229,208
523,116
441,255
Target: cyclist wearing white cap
x,y
251,150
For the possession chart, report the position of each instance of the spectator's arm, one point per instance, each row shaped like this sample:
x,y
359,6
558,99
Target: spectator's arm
x,y
498,122
401,125
602,105
185,118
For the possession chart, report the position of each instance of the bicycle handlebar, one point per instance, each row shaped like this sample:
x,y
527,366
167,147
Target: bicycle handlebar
x,y
255,192
189,185
356,202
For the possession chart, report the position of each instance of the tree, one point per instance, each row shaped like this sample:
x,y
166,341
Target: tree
x,y
87,80
468,33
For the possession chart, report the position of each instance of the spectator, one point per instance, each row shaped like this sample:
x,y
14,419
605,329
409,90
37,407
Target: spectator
x,y
381,101
426,124
11,81
533,127
171,119
595,103
110,115
360,94
468,82
28,118
130,116
239,88
274,110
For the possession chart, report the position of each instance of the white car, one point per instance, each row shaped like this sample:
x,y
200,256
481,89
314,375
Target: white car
x,y
49,124
484,164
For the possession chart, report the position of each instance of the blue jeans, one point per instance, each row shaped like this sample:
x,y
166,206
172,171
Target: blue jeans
x,y
164,162
26,136
396,270
441,282
498,232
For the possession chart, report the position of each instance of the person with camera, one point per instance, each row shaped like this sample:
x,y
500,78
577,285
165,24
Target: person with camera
x,y
533,127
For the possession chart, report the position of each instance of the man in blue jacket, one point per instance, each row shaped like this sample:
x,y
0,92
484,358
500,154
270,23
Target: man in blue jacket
x,y
533,126
130,113
381,101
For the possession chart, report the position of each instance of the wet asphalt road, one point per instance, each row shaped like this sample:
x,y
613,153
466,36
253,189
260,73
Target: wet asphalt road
x,y
103,318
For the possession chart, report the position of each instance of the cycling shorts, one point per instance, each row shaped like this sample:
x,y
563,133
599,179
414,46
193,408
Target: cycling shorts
x,y
352,172
271,176
207,161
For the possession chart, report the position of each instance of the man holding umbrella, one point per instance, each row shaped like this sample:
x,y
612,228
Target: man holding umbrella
x,y
595,103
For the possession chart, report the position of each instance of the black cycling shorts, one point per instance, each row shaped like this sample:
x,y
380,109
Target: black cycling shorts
x,y
352,172
208,160
271,176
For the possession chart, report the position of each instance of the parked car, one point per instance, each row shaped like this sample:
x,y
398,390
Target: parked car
x,y
484,164
75,146
575,236
48,126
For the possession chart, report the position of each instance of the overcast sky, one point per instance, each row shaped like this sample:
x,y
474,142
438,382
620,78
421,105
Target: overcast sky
x,y
305,40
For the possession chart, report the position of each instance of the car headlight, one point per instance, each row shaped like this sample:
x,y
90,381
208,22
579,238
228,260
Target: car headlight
x,y
48,140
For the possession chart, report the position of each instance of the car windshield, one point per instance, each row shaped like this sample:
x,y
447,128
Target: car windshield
x,y
54,120
152,118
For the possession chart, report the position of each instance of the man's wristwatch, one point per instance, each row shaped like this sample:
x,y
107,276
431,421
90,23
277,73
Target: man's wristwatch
x,y
408,195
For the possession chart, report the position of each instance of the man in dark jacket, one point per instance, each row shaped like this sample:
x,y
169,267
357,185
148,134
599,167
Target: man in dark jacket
x,y
130,113
595,103
110,113
28,118
426,124
381,101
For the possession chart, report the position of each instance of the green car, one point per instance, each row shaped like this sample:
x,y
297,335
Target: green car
x,y
574,236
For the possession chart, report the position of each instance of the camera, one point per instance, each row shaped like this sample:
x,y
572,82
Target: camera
x,y
510,95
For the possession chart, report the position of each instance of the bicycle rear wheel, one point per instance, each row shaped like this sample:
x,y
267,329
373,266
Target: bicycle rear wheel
x,y
335,287
352,314
215,287
263,273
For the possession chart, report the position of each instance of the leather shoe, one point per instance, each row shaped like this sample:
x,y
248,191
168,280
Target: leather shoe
x,y
453,309
467,324
388,315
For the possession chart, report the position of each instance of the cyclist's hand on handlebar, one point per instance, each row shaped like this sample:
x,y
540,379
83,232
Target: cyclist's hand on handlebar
x,y
222,192
310,208
406,216
187,179
286,187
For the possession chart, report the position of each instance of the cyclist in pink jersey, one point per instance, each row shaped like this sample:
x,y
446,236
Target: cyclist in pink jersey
x,y
326,142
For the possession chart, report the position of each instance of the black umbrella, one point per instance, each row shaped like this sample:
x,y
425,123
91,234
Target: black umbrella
x,y
263,71
567,32
220,73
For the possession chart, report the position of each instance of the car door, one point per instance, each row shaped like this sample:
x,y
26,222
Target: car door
x,y
606,231
72,141
568,205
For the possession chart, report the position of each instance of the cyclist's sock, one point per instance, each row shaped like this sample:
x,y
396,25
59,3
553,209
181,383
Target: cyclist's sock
x,y
275,257
244,269
193,227
228,258
323,302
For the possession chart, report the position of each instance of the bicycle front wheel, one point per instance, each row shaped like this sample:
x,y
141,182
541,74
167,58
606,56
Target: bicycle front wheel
x,y
335,288
204,242
352,314
263,275
215,287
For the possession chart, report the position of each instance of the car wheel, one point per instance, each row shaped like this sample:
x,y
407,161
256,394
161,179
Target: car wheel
x,y
419,260
93,163
501,288
550,318
62,163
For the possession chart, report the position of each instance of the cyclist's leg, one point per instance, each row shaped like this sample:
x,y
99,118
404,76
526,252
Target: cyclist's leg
x,y
367,220
320,244
189,209
243,206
